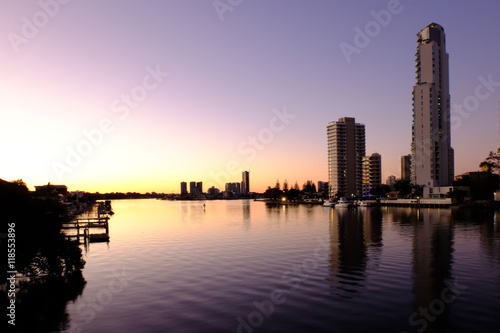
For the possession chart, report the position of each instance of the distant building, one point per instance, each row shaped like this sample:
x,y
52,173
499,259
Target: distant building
x,y
199,187
234,188
192,188
321,185
406,167
184,188
346,148
391,180
49,189
372,173
77,194
213,191
432,157
245,182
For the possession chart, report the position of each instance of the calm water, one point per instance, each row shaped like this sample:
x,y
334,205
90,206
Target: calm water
x,y
244,266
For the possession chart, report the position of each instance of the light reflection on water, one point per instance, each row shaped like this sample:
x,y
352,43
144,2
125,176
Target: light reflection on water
x,y
182,267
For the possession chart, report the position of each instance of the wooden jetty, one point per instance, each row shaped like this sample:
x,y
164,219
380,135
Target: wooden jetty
x,y
83,226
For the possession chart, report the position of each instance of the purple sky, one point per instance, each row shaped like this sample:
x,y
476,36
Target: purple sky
x,y
227,72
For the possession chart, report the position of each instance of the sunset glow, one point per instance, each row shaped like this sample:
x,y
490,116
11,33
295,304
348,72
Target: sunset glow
x,y
139,96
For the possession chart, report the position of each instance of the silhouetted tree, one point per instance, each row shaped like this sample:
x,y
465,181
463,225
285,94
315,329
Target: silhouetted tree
x,y
293,194
418,191
285,185
458,195
404,187
52,263
309,187
277,186
491,163
380,191
273,193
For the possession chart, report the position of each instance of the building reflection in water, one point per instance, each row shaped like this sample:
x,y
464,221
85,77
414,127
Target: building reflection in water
x,y
489,233
246,214
432,264
353,233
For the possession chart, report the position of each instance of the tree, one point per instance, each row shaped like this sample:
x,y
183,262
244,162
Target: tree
x,y
285,186
20,183
296,186
277,186
404,187
309,187
380,191
418,191
491,163
458,195
273,193
293,194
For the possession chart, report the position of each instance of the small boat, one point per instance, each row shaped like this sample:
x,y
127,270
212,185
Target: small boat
x,y
367,203
328,203
343,203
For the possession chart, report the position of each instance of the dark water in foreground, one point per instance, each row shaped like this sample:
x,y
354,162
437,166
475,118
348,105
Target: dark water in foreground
x,y
244,266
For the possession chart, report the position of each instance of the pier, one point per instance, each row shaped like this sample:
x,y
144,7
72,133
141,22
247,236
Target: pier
x,y
84,225
427,203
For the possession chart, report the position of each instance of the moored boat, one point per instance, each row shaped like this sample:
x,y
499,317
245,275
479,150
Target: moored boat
x,y
343,203
328,203
367,203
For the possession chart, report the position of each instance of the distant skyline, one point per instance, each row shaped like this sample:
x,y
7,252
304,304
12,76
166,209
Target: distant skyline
x,y
141,95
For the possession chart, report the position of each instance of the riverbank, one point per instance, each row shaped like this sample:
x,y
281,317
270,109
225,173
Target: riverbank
x,y
290,202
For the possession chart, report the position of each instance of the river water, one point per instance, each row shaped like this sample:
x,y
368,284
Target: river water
x,y
245,266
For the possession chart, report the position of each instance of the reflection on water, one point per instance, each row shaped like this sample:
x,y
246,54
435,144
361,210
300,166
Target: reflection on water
x,y
204,269
432,263
353,232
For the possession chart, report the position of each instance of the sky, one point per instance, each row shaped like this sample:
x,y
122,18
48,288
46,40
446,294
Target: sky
x,y
118,96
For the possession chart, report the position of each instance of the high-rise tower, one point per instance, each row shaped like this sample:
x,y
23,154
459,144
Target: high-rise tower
x,y
432,160
346,148
372,173
245,182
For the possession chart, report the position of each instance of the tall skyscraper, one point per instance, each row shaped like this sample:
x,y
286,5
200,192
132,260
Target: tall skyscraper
x,y
245,182
184,188
406,167
192,188
432,158
372,173
346,148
